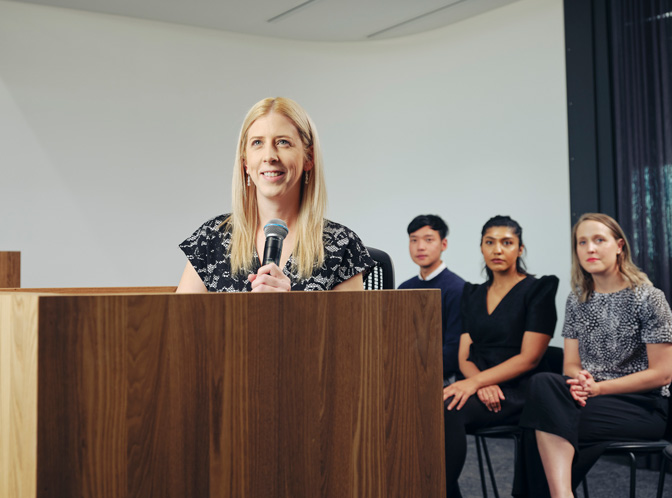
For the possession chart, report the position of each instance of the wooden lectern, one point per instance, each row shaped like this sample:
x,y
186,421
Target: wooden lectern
x,y
304,394
10,269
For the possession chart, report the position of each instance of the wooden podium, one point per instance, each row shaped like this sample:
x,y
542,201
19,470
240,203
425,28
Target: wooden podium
x,y
304,394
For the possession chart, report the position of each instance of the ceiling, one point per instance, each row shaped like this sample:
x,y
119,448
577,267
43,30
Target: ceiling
x,y
310,20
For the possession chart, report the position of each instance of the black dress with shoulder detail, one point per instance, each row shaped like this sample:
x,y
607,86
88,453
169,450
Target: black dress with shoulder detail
x,y
528,306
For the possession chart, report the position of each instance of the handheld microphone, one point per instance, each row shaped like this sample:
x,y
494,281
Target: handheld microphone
x,y
275,231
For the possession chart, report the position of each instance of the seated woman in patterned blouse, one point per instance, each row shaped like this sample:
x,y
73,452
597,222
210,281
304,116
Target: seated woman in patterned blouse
x,y
618,366
277,174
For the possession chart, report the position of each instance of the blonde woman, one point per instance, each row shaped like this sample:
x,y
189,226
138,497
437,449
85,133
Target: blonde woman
x,y
618,366
278,174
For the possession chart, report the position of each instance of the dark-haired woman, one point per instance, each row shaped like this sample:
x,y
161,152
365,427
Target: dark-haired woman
x,y
618,366
507,324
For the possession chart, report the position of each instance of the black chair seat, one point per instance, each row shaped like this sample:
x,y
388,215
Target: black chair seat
x,y
503,431
638,446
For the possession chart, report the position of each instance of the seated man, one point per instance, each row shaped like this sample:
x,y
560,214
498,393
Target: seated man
x,y
427,240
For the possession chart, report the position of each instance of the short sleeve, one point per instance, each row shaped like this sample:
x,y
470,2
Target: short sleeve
x,y
541,313
569,330
202,246
467,291
355,257
656,317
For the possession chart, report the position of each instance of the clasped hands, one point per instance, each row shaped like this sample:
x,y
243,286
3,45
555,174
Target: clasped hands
x,y
269,278
583,386
490,396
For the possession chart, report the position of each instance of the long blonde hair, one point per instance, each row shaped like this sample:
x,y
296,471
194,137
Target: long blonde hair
x,y
308,251
582,281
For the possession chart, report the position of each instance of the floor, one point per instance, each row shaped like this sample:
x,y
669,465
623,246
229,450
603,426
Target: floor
x,y
609,478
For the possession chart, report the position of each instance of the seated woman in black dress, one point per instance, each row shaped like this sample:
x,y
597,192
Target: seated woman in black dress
x,y
508,322
277,174
618,366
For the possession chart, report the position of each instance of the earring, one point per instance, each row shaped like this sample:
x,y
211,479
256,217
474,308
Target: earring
x,y
307,177
248,180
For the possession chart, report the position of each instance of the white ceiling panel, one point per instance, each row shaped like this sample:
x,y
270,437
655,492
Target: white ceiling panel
x,y
312,20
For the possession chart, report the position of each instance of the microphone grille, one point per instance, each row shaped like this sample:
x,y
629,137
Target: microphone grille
x,y
277,228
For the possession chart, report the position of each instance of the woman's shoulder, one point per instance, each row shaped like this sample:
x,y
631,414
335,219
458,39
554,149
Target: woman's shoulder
x,y
471,289
545,282
539,288
336,236
334,230
211,229
647,293
216,222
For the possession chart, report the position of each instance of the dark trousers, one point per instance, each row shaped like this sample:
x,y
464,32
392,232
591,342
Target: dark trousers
x,y
551,408
474,415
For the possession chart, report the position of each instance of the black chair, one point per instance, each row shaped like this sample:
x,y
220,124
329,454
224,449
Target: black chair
x,y
551,362
667,458
632,449
380,276
497,432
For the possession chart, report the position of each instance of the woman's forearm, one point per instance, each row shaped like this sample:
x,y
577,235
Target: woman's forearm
x,y
505,371
637,382
469,369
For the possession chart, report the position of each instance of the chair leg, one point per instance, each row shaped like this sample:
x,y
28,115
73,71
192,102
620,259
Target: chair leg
x,y
492,474
661,479
585,487
633,474
480,466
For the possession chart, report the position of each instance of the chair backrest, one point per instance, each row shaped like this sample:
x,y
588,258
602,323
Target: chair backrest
x,y
553,359
380,276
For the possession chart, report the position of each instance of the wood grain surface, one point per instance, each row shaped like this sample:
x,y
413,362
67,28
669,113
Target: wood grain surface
x,y
10,269
324,394
18,395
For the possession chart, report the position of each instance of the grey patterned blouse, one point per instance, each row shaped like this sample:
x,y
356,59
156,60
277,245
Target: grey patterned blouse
x,y
208,251
614,329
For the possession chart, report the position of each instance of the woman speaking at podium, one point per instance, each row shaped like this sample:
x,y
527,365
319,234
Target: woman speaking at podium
x,y
278,177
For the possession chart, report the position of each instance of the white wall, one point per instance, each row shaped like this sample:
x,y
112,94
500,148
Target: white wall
x,y
117,136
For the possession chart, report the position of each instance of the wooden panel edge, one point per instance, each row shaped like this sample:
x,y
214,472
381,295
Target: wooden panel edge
x,y
93,290
18,394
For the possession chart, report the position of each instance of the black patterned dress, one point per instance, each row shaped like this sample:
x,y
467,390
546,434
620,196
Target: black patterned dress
x,y
208,251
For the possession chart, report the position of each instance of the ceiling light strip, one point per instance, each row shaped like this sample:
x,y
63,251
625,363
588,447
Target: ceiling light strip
x,y
408,21
291,11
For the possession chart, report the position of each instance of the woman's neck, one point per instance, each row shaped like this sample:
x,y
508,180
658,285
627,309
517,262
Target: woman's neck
x,y
269,210
609,282
506,279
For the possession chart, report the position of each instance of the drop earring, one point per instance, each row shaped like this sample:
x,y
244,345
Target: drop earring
x,y
248,180
307,177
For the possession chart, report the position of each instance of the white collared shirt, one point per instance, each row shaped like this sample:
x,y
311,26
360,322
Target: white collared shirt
x,y
435,273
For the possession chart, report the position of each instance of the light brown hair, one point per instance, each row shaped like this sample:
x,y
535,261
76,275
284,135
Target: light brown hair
x,y
582,281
